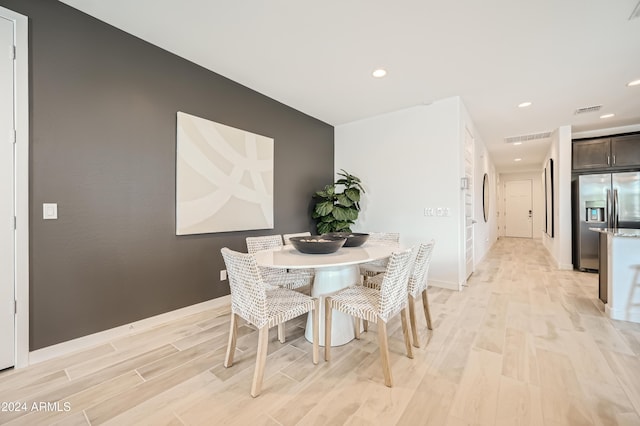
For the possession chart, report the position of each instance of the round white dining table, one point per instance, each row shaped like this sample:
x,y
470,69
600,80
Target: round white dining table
x,y
333,272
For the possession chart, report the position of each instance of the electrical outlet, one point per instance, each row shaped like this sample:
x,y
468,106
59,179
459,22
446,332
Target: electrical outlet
x,y
223,275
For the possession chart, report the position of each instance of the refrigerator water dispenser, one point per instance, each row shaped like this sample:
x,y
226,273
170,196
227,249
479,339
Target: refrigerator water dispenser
x,y
595,211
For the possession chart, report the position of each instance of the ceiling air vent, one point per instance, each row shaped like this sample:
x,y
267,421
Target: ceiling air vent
x,y
585,110
526,138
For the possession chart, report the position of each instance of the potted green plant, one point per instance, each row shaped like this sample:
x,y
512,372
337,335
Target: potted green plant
x,y
336,211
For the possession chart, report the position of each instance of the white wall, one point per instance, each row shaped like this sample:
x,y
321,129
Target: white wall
x,y
560,245
410,160
537,196
485,234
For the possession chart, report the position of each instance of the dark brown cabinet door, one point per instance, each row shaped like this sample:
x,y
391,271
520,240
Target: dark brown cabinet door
x,y
593,154
625,151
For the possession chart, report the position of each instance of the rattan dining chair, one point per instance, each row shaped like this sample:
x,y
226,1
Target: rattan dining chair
x,y
267,242
375,267
375,305
278,277
253,301
418,284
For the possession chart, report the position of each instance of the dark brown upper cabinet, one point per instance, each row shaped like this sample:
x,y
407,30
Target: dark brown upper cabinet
x,y
618,152
625,151
592,154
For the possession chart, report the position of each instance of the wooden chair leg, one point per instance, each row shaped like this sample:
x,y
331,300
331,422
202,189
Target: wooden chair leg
x,y
405,333
365,325
328,311
384,352
412,320
316,329
231,345
261,359
281,333
427,311
357,329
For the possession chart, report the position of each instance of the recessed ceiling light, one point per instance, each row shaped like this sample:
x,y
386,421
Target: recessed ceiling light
x,y
524,104
517,143
517,159
634,83
379,73
607,116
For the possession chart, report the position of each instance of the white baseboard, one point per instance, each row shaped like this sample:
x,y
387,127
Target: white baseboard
x,y
622,314
106,336
444,284
565,266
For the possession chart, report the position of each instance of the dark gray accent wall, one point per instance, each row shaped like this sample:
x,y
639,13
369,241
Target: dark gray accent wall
x,y
103,109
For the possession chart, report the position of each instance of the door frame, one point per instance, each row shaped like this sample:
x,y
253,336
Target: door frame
x,y
505,204
21,171
469,143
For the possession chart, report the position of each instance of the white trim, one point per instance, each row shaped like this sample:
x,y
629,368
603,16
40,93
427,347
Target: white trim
x,y
106,336
21,29
445,284
622,314
559,266
606,132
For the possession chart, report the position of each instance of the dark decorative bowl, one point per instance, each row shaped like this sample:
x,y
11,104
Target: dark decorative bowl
x,y
354,239
317,244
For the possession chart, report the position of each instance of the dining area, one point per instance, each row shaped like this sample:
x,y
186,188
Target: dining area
x,y
343,281
494,356
118,311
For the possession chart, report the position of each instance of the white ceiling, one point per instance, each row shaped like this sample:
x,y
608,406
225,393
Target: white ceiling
x,y
317,57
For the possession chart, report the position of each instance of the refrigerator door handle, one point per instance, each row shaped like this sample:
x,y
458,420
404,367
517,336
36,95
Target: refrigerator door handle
x,y
609,213
615,209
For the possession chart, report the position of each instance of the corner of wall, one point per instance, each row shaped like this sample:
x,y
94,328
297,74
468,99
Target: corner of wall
x,y
420,138
560,150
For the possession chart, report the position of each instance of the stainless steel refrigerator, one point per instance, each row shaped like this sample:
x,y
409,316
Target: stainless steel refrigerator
x,y
609,200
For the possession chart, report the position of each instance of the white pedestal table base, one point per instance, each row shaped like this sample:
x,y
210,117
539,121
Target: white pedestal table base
x,y
326,282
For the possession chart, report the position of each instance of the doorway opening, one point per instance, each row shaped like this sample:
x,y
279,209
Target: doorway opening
x,y
518,210
468,204
14,190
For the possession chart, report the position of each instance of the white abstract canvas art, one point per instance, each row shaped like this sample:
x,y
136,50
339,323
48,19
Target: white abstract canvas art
x,y
224,178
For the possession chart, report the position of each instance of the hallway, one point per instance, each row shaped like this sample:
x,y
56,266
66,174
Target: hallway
x,y
522,344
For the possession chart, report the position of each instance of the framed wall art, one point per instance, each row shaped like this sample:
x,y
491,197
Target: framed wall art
x,y
485,197
548,197
224,178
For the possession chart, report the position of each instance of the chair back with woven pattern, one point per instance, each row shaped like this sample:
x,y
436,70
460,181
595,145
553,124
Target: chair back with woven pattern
x,y
266,242
393,289
248,291
418,277
384,238
255,244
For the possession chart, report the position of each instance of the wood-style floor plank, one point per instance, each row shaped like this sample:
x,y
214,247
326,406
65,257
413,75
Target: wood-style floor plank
x,y
522,344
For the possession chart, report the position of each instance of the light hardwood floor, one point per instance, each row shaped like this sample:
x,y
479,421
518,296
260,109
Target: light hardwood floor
x,y
522,344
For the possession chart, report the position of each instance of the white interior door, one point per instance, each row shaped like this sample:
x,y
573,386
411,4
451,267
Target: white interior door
x,y
468,203
7,212
518,210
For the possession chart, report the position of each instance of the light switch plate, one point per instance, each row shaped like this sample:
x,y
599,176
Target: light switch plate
x,y
49,210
